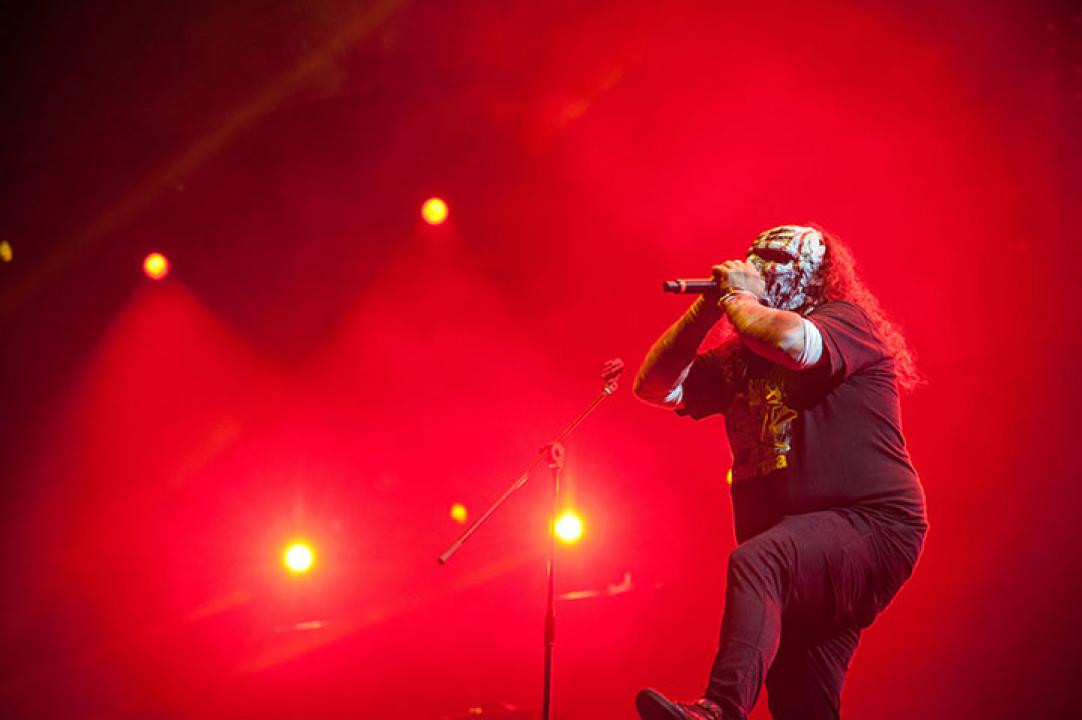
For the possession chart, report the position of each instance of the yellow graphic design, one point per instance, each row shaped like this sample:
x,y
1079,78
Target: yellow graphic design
x,y
776,418
768,428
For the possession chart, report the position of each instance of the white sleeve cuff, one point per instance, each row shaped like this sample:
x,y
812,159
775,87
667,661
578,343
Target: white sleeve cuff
x,y
675,397
812,352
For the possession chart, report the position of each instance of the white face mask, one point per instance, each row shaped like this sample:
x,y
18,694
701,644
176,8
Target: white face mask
x,y
789,258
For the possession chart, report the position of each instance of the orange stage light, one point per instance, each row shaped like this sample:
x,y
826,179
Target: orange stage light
x,y
156,266
298,558
458,513
434,211
569,527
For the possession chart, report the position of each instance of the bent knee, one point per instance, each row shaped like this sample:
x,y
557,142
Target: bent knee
x,y
758,562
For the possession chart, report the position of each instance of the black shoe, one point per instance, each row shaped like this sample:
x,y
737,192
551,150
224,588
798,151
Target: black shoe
x,y
652,705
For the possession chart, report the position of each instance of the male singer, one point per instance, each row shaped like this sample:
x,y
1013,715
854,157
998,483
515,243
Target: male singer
x,y
829,512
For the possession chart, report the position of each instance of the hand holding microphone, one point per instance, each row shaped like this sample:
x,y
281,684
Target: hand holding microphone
x,y
730,276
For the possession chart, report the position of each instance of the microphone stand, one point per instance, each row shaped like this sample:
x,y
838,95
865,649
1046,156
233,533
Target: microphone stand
x,y
554,455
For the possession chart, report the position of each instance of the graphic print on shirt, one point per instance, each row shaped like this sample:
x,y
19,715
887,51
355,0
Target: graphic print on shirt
x,y
760,425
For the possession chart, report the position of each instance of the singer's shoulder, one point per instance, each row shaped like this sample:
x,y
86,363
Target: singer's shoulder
x,y
841,309
844,312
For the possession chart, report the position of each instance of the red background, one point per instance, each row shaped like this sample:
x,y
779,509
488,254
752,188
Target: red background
x,y
321,363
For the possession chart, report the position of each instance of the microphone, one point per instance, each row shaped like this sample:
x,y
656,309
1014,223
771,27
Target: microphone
x,y
690,287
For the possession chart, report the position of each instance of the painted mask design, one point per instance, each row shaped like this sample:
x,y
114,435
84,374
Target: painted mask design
x,y
789,258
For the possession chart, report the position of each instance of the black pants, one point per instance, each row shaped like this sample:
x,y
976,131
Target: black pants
x,y
798,596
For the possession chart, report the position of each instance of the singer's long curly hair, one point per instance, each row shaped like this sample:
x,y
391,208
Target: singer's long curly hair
x,y
842,282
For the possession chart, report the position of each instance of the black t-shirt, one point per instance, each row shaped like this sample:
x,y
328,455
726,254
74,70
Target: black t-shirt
x,y
807,440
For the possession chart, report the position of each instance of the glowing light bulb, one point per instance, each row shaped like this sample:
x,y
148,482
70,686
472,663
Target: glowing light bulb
x,y
434,211
569,527
156,266
298,558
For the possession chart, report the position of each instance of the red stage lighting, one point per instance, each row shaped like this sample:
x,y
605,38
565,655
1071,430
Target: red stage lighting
x,y
156,266
298,557
569,527
434,211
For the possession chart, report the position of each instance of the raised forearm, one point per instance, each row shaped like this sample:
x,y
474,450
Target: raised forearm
x,y
777,335
667,362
